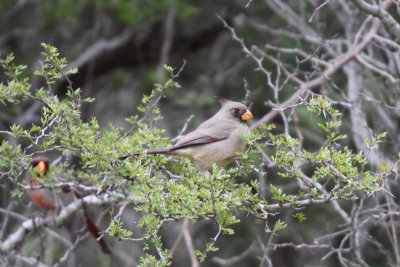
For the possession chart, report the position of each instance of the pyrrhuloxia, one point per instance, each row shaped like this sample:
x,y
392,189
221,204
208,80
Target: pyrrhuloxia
x,y
217,140
48,200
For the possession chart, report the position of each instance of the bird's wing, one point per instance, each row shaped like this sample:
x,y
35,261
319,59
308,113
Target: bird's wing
x,y
205,135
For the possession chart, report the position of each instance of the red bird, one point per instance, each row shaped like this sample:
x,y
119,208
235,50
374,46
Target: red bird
x,y
48,200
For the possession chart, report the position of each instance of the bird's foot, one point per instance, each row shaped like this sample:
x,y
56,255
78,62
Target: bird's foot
x,y
238,161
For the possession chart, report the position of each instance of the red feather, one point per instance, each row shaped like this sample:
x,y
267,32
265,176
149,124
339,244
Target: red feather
x,y
95,232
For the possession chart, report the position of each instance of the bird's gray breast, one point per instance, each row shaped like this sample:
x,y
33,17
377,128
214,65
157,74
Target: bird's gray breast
x,y
221,152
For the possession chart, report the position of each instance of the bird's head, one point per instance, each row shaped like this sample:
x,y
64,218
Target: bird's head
x,y
40,165
236,110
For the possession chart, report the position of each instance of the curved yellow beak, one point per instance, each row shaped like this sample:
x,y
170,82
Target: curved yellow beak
x,y
247,115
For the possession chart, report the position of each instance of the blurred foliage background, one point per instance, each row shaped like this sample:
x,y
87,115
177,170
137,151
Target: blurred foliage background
x,y
121,46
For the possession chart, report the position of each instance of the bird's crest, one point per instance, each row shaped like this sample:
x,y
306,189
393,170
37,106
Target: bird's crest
x,y
221,100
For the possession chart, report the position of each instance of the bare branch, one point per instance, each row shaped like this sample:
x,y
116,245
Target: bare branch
x,y
29,225
168,36
236,259
328,72
189,243
381,13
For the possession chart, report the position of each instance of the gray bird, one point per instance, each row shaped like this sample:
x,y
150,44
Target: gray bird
x,y
217,140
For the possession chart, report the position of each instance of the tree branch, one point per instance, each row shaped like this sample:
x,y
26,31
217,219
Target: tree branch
x,y
381,13
29,225
316,82
189,243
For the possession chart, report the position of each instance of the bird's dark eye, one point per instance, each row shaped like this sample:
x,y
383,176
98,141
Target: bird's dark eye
x,y
236,110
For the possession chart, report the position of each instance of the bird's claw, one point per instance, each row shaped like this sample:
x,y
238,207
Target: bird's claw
x,y
238,161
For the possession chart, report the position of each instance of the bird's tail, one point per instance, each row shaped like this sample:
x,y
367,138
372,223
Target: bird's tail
x,y
92,228
162,150
95,232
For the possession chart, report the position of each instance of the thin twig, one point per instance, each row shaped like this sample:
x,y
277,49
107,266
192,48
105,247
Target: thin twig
x,y
189,243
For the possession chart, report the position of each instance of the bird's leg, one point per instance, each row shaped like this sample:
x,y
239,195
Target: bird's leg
x,y
238,161
43,214
52,214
